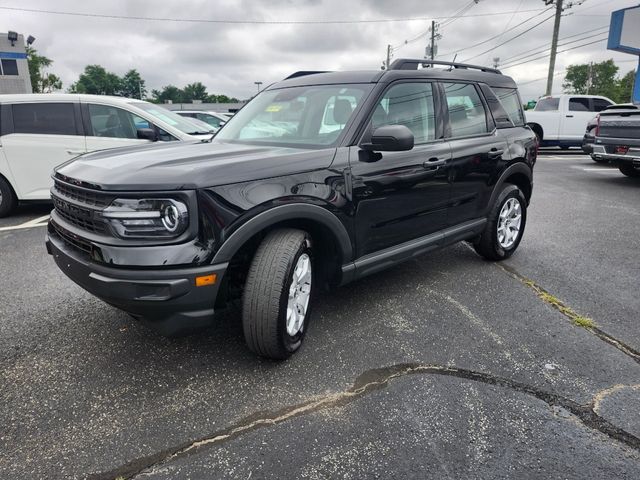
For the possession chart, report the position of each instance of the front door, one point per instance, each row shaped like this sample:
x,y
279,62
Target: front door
x,y
478,151
400,196
110,127
574,123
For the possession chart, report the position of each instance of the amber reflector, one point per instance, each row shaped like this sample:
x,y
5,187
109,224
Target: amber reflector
x,y
206,280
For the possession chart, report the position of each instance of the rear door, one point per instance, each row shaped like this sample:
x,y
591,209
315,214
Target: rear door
x,y
477,150
400,196
574,123
108,126
42,136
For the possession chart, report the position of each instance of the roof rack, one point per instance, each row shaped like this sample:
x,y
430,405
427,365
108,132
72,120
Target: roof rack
x,y
414,64
302,73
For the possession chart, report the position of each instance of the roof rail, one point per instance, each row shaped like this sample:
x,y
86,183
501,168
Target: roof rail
x,y
302,73
414,64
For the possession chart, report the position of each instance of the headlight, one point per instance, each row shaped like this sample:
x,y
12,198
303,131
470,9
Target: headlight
x,y
147,218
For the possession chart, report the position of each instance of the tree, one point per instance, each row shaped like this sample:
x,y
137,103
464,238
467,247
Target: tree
x,y
603,79
170,92
625,88
132,85
41,81
98,81
222,99
195,91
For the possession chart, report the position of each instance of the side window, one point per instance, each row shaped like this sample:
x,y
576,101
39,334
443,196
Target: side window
x,y
600,104
511,103
467,115
113,122
44,118
8,67
210,119
411,105
578,104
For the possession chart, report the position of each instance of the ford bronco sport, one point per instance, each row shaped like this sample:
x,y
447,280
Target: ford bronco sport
x,y
321,179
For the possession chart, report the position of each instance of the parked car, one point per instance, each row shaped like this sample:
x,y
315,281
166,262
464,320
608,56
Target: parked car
x,y
617,139
560,121
214,119
589,135
383,166
41,131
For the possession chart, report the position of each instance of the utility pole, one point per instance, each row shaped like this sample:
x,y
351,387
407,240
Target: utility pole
x,y
554,44
432,49
388,57
590,77
496,62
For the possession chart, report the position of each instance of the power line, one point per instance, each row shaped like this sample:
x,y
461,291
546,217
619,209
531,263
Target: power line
x,y
495,36
250,22
511,39
559,51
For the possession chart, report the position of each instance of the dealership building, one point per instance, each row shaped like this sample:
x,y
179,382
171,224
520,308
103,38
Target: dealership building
x,y
14,70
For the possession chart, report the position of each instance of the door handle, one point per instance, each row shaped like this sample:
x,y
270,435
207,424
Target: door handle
x,y
569,116
75,152
434,163
495,153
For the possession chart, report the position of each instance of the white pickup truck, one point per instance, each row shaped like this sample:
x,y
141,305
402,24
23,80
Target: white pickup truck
x,y
561,120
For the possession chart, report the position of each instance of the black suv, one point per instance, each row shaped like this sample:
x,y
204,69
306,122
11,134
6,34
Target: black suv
x,y
321,179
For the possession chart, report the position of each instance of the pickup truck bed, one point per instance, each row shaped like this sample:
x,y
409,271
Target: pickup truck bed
x,y
618,140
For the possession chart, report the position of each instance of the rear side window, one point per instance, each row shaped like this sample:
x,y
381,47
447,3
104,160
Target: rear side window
x,y
600,104
511,103
579,104
547,104
467,114
44,118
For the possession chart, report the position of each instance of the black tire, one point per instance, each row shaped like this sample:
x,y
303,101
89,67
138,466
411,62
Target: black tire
x,y
487,244
266,294
629,170
8,200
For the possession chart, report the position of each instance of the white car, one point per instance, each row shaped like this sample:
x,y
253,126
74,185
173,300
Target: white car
x,y
215,119
560,120
41,131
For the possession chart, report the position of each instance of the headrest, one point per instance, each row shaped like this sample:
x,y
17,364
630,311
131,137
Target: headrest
x,y
112,121
342,111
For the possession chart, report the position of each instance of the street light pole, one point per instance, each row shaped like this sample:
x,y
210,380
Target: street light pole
x,y
258,84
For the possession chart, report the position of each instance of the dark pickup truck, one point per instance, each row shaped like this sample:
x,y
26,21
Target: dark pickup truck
x,y
617,139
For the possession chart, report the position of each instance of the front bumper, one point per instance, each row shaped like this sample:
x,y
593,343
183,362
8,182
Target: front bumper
x,y
167,300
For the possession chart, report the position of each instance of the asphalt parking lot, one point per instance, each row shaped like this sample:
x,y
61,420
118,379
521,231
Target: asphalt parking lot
x,y
444,367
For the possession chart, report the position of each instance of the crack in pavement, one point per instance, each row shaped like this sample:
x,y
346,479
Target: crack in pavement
x,y
369,381
571,314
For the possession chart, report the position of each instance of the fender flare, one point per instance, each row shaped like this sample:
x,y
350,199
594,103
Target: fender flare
x,y
291,211
519,167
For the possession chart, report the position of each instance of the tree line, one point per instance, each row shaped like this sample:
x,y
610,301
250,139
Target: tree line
x,y
599,79
95,79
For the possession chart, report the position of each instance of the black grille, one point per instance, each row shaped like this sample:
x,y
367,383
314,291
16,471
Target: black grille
x,y
78,216
70,239
81,195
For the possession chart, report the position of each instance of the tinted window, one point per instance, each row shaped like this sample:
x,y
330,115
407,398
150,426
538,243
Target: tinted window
x,y
600,104
9,67
579,105
511,103
547,104
467,115
210,119
44,118
107,121
411,105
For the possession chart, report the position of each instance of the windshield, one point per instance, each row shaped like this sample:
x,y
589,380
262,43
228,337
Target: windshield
x,y
547,104
173,119
308,117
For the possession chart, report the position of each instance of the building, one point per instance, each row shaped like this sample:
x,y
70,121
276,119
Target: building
x,y
14,69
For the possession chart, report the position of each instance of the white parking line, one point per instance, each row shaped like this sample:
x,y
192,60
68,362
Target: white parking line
x,y
37,222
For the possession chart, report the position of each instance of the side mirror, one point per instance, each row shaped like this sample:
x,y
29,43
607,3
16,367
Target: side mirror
x,y
390,138
147,134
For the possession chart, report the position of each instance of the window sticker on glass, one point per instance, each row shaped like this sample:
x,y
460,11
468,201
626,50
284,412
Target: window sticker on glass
x,y
274,107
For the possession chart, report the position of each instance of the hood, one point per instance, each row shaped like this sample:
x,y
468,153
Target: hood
x,y
187,166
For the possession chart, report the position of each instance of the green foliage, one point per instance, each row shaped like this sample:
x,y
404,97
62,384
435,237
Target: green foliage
x,y
170,92
604,81
96,80
193,91
41,82
133,85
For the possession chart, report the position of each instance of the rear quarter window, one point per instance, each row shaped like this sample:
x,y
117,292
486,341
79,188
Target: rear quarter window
x,y
44,118
510,101
547,104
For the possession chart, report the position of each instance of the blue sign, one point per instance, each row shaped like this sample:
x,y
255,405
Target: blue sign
x,y
624,36
15,55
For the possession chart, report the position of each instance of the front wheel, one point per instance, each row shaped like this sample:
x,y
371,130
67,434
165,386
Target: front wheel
x,y
8,200
505,225
277,295
629,170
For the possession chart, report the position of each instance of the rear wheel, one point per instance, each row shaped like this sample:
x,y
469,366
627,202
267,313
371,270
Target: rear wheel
x,y
629,170
8,200
505,225
277,295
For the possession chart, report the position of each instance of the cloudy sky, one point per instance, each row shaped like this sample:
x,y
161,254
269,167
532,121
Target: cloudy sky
x,y
229,57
